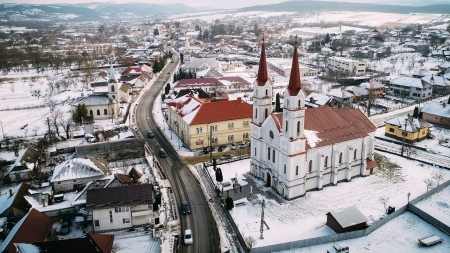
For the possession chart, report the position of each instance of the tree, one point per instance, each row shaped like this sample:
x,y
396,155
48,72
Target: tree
x,y
277,103
250,241
327,38
219,176
384,200
420,115
167,89
416,112
429,182
101,28
66,124
229,203
181,58
214,164
435,41
80,112
388,169
438,176
156,32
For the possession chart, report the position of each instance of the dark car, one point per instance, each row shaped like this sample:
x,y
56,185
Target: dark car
x,y
185,207
150,134
226,157
162,152
221,148
65,228
207,150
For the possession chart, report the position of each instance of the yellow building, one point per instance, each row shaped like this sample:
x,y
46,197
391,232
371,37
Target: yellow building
x,y
414,130
194,120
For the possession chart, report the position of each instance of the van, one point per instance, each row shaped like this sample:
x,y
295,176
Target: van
x,y
162,153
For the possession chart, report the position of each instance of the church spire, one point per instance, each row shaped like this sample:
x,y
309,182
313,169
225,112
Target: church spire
x,y
112,75
263,76
294,80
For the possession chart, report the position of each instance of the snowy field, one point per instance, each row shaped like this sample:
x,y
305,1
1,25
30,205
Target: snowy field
x,y
305,217
438,205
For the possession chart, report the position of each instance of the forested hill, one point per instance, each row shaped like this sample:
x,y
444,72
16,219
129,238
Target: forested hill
x,y
313,6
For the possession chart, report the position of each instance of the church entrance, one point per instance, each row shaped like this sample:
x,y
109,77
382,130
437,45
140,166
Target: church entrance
x,y
269,180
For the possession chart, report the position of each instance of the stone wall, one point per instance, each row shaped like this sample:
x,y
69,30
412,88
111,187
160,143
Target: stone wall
x,y
113,150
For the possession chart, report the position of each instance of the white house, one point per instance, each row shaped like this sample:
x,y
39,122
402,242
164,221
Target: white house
x,y
121,207
411,88
303,149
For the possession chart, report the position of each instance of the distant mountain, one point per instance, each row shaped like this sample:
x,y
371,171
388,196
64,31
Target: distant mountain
x,y
314,6
88,11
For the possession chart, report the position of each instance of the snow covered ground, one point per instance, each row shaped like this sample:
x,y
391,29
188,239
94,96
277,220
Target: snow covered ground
x,y
305,217
438,205
134,242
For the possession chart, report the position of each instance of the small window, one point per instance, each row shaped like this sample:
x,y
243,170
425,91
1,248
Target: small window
x,y
325,164
340,157
126,220
284,168
286,127
91,113
391,130
355,154
266,113
268,154
267,92
96,223
296,170
112,88
98,111
273,155
256,113
310,166
298,127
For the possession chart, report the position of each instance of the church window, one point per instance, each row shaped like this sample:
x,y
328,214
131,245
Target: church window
x,y
298,127
112,88
284,168
266,113
340,157
286,127
255,151
299,103
273,155
98,111
268,154
267,92
91,112
310,166
256,113
325,164
271,134
200,130
355,154
296,170
105,111
113,96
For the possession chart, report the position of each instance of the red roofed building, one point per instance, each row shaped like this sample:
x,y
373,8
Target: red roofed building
x,y
192,118
301,149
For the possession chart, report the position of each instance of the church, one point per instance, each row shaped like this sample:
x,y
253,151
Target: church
x,y
302,149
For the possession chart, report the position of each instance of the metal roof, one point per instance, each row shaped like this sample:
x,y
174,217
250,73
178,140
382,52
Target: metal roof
x,y
348,217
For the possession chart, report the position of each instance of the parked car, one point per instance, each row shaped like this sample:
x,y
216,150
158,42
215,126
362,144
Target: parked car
x,y
162,153
221,148
339,248
188,236
185,207
242,145
207,150
226,157
58,198
65,228
233,146
150,134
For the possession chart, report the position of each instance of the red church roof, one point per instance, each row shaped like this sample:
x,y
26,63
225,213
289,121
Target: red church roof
x,y
263,75
294,80
222,111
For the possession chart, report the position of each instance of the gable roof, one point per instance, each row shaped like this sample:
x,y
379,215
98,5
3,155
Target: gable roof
x,y
407,82
33,227
120,196
222,111
79,168
100,99
99,243
348,217
16,200
25,160
436,108
197,83
413,125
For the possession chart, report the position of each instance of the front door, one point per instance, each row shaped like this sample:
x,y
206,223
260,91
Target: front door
x,y
371,171
269,180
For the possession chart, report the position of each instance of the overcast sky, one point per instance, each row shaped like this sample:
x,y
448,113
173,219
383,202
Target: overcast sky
x,y
225,3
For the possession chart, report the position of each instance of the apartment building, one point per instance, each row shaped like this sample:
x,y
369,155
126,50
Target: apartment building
x,y
346,66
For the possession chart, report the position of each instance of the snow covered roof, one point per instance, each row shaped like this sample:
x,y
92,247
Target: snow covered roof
x,y
100,99
412,124
79,168
26,160
407,82
436,108
317,99
339,93
197,62
437,80
349,216
6,199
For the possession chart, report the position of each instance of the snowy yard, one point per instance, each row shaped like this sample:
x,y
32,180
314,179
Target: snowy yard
x,y
438,205
305,217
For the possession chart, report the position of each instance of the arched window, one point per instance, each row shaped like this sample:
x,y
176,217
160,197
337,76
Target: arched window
x,y
112,88
267,92
91,113
284,168
325,164
299,103
268,154
256,113
273,155
340,157
296,170
298,126
255,151
286,127
266,113
310,165
105,111
98,111
113,96
354,154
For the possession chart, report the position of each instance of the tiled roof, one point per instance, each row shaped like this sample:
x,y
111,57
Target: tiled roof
x,y
99,243
222,111
294,85
33,227
134,174
123,178
120,196
197,82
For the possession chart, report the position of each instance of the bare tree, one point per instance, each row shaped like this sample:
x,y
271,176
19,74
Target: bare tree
x,y
66,123
250,241
410,151
384,200
56,114
438,176
429,182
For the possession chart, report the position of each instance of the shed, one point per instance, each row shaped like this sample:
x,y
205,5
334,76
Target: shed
x,y
346,220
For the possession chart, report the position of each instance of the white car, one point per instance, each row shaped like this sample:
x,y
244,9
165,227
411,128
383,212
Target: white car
x,y
188,236
233,146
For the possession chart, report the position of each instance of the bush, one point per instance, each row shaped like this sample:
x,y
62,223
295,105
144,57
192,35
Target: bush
x,y
229,203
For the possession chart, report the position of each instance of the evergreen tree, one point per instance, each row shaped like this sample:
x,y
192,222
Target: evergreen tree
x,y
167,89
163,97
214,164
416,112
420,115
327,38
219,176
448,102
181,57
229,203
277,103
80,112
155,32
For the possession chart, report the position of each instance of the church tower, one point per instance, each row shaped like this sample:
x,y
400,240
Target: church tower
x,y
294,105
262,95
113,86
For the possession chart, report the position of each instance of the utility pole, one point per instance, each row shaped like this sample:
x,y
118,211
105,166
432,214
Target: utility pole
x,y
261,229
49,131
404,134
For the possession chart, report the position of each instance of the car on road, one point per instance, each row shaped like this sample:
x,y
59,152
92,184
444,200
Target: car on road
x,y
242,145
188,236
185,207
226,157
150,134
65,228
233,146
162,152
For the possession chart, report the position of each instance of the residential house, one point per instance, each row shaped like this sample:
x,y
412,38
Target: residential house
x,y
417,46
373,88
121,207
436,113
440,85
75,173
198,64
192,119
125,92
302,149
410,128
409,87
26,162
99,243
314,100
33,227
137,76
346,66
12,203
207,84
376,41
347,220
341,98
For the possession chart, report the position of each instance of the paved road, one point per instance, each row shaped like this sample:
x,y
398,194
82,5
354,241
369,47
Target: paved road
x,y
184,184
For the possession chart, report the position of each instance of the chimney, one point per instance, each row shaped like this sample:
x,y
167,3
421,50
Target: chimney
x,y
10,193
239,99
43,202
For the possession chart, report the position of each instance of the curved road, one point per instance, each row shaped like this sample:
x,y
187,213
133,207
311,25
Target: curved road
x,y
184,184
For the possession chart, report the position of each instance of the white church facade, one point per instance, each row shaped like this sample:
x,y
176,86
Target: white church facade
x,y
303,149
